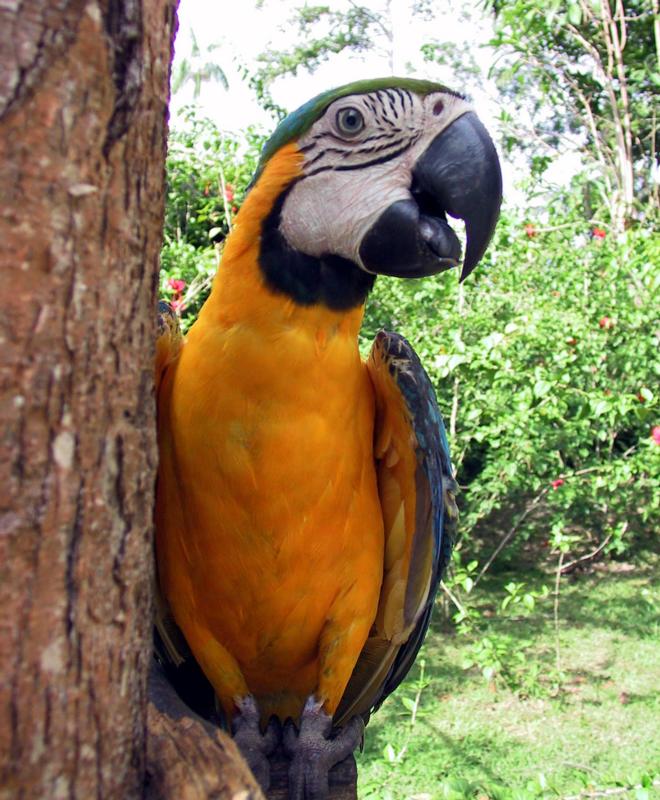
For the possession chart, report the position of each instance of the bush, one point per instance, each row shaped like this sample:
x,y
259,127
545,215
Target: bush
x,y
544,365
208,173
545,362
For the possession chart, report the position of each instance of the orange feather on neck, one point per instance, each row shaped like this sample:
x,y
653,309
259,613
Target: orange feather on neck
x,y
269,527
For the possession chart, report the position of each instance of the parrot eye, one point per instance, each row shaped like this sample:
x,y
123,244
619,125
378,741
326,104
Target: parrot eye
x,y
349,121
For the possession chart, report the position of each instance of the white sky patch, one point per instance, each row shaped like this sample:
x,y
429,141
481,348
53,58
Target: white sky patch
x,y
247,31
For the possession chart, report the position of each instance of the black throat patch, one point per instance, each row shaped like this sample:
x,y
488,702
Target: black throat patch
x,y
332,281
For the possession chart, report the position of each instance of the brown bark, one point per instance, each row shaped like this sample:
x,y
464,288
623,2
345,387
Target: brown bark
x,y
83,109
342,779
83,113
187,757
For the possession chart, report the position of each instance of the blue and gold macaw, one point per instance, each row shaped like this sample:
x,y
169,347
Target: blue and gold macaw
x,y
304,496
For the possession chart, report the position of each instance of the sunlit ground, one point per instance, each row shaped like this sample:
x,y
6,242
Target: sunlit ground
x,y
594,728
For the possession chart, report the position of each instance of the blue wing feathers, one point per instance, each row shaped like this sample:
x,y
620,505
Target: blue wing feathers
x,y
433,465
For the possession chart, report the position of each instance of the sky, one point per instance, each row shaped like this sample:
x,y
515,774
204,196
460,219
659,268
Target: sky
x,y
241,32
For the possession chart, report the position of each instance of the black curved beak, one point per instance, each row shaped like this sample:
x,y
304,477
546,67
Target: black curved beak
x,y
458,174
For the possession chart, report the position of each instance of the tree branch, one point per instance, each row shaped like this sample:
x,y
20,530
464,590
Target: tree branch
x,y
511,533
188,756
607,792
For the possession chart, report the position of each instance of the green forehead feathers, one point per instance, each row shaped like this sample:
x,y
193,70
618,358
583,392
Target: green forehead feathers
x,y
298,122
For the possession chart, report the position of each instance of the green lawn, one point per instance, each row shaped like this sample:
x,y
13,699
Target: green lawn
x,y
588,729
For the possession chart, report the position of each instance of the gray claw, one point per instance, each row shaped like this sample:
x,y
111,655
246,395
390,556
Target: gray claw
x,y
255,746
313,754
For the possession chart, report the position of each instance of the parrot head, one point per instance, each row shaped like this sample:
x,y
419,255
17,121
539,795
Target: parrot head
x,y
383,164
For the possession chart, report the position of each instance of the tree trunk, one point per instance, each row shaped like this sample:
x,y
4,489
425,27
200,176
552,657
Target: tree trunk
x,y
83,124
83,112
187,757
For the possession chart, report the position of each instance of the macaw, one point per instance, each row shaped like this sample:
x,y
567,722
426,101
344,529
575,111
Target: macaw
x,y
305,497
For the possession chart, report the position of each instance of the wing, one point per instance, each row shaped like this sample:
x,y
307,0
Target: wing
x,y
417,492
170,648
168,341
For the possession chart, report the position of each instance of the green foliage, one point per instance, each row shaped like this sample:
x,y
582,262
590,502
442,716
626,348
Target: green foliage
x,y
208,173
545,362
197,69
201,160
587,75
322,32
528,737
549,359
546,369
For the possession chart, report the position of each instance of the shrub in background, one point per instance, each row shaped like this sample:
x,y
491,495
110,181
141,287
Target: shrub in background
x,y
545,363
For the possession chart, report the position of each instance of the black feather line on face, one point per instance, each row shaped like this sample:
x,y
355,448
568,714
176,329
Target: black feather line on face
x,y
330,280
382,108
373,162
390,97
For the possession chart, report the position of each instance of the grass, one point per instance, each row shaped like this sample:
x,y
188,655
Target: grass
x,y
532,730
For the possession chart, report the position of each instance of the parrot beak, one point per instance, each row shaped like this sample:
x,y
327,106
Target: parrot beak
x,y
458,174
461,172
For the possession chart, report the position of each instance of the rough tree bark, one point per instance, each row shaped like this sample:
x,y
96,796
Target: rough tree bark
x,y
83,113
83,123
83,105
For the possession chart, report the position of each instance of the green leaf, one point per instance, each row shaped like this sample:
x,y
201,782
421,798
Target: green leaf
x,y
408,703
600,407
541,388
574,13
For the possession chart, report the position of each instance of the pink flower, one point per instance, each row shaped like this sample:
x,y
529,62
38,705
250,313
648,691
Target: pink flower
x,y
229,192
557,483
598,233
655,434
176,285
530,230
177,305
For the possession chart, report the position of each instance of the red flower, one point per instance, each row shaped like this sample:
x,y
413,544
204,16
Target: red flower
x,y
598,233
557,483
177,305
641,398
606,323
229,192
176,285
530,230
655,434
234,209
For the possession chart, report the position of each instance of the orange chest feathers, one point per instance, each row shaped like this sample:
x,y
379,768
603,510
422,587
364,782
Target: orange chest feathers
x,y
268,518
268,503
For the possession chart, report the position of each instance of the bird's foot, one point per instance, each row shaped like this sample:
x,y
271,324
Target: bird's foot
x,y
254,745
313,753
